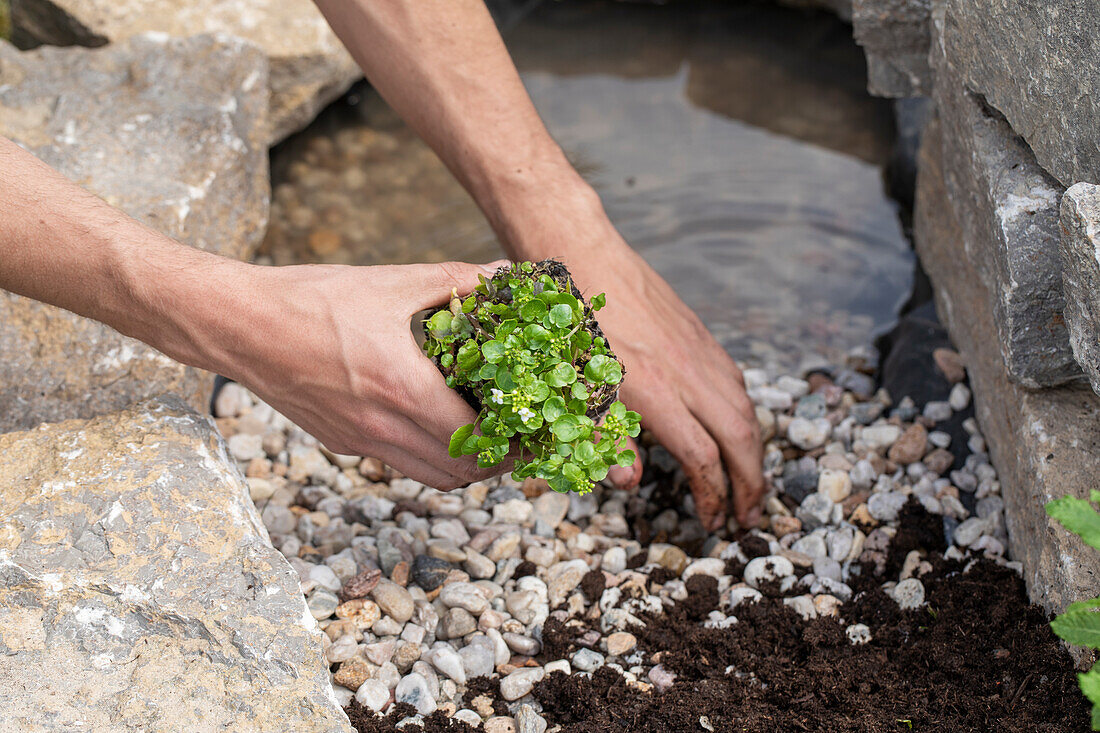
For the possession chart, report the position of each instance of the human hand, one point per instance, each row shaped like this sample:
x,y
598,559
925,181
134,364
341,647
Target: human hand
x,y
690,393
333,351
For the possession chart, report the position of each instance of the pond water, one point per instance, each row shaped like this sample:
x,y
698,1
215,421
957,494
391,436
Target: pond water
x,y
734,147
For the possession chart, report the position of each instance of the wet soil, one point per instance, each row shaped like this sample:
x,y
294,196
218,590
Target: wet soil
x,y
977,657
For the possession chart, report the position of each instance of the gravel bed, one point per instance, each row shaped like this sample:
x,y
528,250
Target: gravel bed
x,y
480,606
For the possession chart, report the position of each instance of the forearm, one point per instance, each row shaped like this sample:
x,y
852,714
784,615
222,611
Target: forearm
x,y
61,245
442,66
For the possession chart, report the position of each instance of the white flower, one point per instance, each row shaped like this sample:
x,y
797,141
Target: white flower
x,y
497,396
525,413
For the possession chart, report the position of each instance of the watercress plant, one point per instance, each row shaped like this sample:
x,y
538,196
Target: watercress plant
x,y
524,348
1080,624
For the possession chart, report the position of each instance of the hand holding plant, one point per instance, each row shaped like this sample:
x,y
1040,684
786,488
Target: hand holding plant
x,y
525,349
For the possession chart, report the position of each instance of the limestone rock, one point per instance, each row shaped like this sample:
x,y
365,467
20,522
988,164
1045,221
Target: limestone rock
x,y
146,126
1035,62
1008,207
1041,443
139,590
895,36
1080,249
309,65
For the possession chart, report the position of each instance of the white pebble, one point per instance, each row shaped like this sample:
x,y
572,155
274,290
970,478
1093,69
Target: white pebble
x,y
909,594
765,569
858,634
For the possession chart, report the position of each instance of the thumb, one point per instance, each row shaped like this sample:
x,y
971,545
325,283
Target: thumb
x,y
436,281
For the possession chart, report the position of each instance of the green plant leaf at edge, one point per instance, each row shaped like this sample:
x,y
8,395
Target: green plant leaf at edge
x,y
1077,516
1080,627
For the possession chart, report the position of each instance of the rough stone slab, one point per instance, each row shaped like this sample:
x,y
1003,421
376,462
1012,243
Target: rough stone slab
x,y
309,65
1036,62
145,125
895,36
1081,275
139,590
1008,208
1044,444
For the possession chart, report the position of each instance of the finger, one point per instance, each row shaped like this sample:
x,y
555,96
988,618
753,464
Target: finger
x,y
738,438
678,431
627,477
739,443
436,281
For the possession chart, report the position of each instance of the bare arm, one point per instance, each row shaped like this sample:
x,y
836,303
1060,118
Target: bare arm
x,y
442,65
330,347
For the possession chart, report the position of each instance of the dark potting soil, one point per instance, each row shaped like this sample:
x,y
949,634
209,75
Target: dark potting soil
x,y
976,658
365,720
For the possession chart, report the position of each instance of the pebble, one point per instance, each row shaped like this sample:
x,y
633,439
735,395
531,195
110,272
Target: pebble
x,y
520,682
959,399
394,600
885,506
909,594
464,595
477,660
711,566
457,622
551,507
937,411
499,724
587,660
413,689
529,721
815,511
808,434
661,678
910,445
373,694
858,634
447,661
322,604
880,437
766,569
836,485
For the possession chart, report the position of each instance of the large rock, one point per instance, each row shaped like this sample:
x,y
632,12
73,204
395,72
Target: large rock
x,y
1043,443
1008,208
309,65
1036,62
894,35
172,132
1081,275
139,590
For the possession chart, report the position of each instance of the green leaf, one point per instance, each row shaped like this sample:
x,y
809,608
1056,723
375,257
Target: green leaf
x,y
561,375
504,379
574,473
566,428
533,311
1096,717
1090,684
446,360
1078,516
493,351
1080,627
538,391
626,458
506,327
597,471
599,301
617,410
579,391
469,356
440,324
585,452
1094,495
470,445
553,408
458,437
469,304
598,368
561,315
1083,605
536,335
488,371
